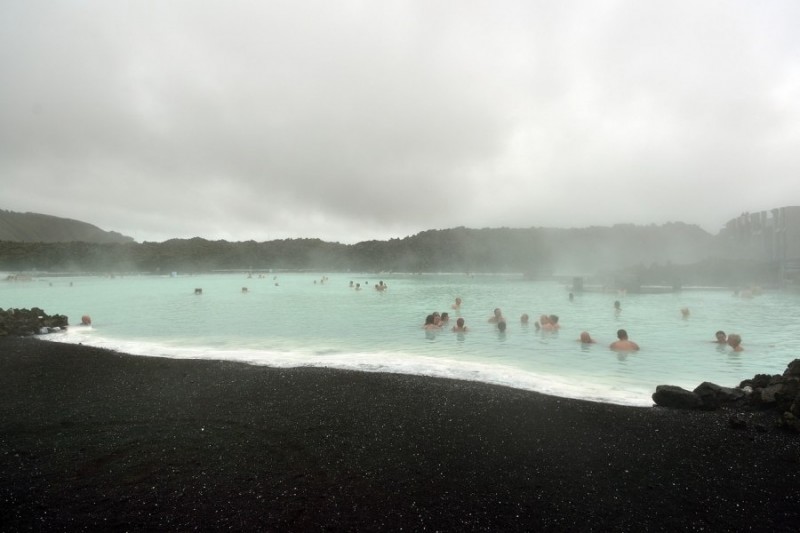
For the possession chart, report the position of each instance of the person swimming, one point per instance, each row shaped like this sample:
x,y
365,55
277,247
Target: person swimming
x,y
460,327
623,344
430,323
586,338
735,342
721,338
457,305
497,317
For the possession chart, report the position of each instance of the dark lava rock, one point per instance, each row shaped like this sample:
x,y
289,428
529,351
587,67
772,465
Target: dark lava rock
x,y
675,397
25,322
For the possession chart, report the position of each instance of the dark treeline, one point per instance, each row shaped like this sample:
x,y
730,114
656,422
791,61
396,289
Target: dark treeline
x,y
671,253
490,250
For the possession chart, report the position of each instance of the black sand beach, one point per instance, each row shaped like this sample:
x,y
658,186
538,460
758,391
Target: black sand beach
x,y
92,439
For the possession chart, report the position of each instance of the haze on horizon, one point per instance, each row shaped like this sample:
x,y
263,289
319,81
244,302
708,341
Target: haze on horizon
x,y
349,121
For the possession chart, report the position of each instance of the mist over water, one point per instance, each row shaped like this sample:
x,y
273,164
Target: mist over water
x,y
295,319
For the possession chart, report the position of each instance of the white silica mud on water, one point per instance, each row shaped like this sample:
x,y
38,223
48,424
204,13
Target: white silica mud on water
x,y
309,319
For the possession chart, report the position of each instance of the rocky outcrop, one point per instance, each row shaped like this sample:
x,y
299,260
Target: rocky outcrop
x,y
24,322
778,393
707,396
676,397
713,396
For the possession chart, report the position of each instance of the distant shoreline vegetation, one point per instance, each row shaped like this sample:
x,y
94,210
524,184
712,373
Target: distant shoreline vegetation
x,y
672,254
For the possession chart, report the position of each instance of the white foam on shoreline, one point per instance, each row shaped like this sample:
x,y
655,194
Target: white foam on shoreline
x,y
390,362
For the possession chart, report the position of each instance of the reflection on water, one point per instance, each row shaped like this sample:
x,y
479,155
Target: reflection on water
x,y
299,321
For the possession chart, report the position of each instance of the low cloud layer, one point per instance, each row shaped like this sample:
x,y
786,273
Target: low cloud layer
x,y
350,121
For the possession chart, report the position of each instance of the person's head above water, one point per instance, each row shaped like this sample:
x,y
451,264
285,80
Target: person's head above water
x,y
721,337
586,338
623,344
497,316
735,341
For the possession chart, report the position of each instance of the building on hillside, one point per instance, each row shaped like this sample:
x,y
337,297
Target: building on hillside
x,y
772,236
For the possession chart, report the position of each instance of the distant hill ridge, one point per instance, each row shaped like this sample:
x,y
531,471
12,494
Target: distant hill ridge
x,y
657,254
35,227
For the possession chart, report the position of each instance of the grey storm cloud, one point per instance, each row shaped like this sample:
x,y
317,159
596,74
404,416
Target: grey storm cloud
x,y
355,120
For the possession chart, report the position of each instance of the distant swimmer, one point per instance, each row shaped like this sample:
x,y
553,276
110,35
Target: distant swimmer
x,y
549,323
460,327
685,312
457,305
445,318
86,320
617,307
721,338
524,319
623,344
571,297
430,323
586,338
501,326
735,342
497,317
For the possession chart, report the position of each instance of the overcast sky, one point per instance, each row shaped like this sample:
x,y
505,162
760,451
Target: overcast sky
x,y
356,120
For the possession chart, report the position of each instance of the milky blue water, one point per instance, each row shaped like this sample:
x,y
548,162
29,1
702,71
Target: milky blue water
x,y
288,320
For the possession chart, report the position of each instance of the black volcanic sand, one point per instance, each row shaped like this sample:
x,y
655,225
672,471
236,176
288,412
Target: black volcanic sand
x,y
92,439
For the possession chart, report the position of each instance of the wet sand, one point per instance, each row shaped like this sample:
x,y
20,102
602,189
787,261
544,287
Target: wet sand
x,y
93,439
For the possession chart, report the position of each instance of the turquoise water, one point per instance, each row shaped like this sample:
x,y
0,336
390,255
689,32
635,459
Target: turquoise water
x,y
296,320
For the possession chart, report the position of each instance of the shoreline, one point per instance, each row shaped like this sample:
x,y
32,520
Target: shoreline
x,y
98,439
479,372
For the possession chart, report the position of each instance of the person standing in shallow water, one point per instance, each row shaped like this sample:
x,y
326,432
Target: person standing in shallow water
x,y
623,344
